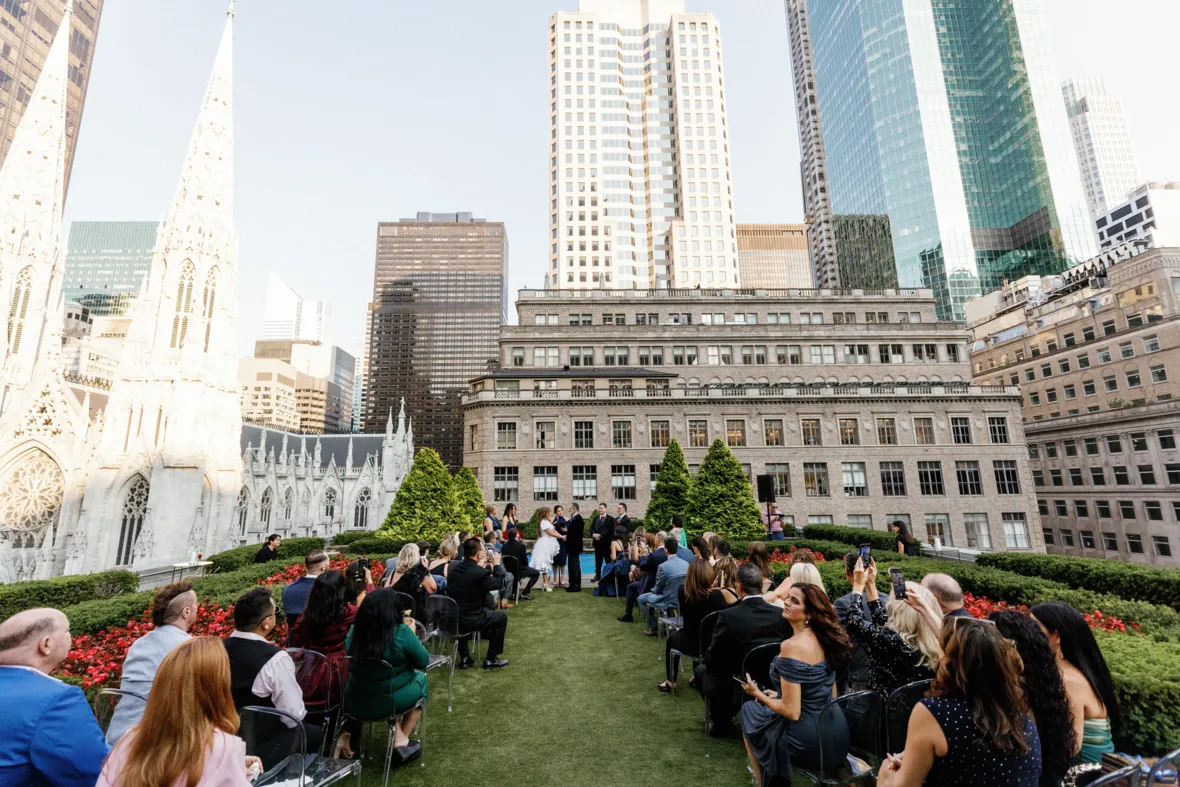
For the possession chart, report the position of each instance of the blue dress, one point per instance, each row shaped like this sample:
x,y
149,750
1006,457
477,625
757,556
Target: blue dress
x,y
620,567
559,559
776,740
969,764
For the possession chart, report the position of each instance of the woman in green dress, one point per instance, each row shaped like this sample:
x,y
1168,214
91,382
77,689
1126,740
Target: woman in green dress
x,y
374,692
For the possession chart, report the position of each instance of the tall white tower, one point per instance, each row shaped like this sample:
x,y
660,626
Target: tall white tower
x,y
638,138
288,315
1106,155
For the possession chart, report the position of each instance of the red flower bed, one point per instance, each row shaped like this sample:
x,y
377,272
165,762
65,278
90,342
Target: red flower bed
x,y
779,556
294,571
981,607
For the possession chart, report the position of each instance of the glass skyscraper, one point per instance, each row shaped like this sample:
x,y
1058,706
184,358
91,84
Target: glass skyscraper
x,y
945,138
106,262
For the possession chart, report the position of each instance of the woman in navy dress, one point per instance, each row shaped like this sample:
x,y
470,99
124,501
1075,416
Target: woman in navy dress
x,y
615,572
783,725
559,560
974,729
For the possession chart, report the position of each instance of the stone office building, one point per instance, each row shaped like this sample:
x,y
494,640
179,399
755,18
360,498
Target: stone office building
x,y
858,403
1097,351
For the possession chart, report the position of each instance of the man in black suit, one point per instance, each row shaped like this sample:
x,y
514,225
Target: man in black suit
x,y
741,628
575,531
602,531
621,517
514,548
469,582
856,678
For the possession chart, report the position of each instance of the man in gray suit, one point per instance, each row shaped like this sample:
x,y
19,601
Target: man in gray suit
x,y
174,610
669,579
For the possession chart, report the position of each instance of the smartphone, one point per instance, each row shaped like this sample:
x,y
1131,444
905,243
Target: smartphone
x,y
865,554
898,583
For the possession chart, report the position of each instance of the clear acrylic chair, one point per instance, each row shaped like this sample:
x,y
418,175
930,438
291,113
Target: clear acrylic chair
x,y
322,685
306,770
107,700
389,673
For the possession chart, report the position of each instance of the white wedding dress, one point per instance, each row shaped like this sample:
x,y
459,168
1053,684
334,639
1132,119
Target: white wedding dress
x,y
545,549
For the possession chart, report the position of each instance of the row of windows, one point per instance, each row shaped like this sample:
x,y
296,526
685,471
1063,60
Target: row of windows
x,y
1089,334
1160,545
1114,444
746,355
773,434
1122,477
1110,384
721,318
1153,510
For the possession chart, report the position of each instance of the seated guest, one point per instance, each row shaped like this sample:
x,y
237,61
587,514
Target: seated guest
x,y
295,594
722,548
358,580
322,627
782,726
424,551
857,677
448,550
187,735
947,593
664,593
802,573
382,633
514,548
270,550
412,578
48,735
174,610
492,543
741,628
973,729
711,539
471,582
726,569
702,550
646,568
263,674
759,555
900,637
616,570
1094,709
696,599
1043,688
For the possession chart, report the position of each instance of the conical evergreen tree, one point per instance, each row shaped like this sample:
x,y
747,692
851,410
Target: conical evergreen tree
x,y
426,506
672,489
470,499
721,498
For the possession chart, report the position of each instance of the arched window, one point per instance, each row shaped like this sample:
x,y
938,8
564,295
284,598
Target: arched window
x,y
360,513
329,504
184,305
18,309
30,501
305,503
288,503
207,304
134,512
243,509
264,509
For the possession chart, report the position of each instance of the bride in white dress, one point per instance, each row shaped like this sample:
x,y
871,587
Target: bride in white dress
x,y
545,549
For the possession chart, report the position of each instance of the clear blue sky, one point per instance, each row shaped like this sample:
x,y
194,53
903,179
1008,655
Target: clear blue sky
x,y
353,113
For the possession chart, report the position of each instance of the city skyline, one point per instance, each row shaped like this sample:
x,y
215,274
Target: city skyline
x,y
352,174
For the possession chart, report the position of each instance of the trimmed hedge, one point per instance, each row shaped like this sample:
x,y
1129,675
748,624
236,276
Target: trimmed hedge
x,y
1128,580
1147,684
233,559
65,591
880,540
352,536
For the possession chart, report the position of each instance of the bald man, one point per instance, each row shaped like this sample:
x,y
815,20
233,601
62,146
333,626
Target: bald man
x,y
48,735
948,593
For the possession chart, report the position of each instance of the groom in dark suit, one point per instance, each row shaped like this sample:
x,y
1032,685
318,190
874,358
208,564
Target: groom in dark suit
x,y
602,531
575,532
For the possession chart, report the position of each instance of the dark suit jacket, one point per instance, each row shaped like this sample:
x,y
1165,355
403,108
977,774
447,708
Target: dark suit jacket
x,y
515,548
650,566
604,526
624,521
741,628
575,532
858,668
469,584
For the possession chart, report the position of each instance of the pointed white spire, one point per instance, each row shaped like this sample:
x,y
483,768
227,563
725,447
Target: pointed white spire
x,y
401,418
348,460
389,425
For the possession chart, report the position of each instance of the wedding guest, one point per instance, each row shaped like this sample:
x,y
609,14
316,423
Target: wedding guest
x,y
802,573
187,735
711,539
727,573
676,528
665,591
906,545
295,594
857,677
575,533
616,569
448,550
174,610
647,557
507,579
947,592
759,555
509,519
412,578
621,518
696,599
703,550
270,550
491,522
601,532
323,627
772,520
470,584
560,524
514,548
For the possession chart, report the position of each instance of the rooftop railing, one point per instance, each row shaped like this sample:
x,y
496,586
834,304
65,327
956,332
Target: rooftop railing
x,y
685,292
751,391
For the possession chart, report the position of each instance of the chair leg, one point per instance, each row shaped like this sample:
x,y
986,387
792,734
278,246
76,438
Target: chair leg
x,y
708,737
451,672
389,753
421,730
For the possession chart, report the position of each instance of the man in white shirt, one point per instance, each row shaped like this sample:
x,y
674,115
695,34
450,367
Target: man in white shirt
x,y
263,674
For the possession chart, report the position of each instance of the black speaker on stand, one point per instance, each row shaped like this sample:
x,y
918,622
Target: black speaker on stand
x,y
766,489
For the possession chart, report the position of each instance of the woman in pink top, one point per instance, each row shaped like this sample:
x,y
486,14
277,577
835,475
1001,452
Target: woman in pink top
x,y
190,721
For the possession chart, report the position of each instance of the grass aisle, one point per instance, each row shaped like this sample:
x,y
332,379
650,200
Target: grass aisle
x,y
577,707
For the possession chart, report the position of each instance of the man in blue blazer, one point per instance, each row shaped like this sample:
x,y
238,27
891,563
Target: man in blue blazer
x,y
48,735
669,578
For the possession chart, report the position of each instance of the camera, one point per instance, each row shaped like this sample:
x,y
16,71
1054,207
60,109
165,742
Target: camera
x,y
365,563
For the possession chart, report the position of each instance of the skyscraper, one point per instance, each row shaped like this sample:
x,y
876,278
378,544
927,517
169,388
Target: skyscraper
x,y
637,138
1103,144
288,315
944,142
773,256
106,263
440,292
26,29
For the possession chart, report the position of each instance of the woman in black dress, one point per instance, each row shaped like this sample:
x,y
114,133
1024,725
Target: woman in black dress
x,y
560,524
698,598
413,579
905,539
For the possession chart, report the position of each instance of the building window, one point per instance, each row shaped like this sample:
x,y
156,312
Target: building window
x,y
653,477
1167,439
620,434
781,473
855,484
135,503
698,433
978,535
930,478
265,508
583,434
811,432
1173,471
1110,542
546,435
1066,538
360,510
1127,509
585,482
506,484
1087,539
997,426
772,432
505,436
1007,479
1162,546
939,526
1015,531
622,482
1121,476
1153,511
1075,477
545,483
1146,475
815,479
473,431
893,479
1159,374
518,356
735,433
329,504
661,434
849,431
1046,532
924,431
961,430
887,431
967,474
1135,543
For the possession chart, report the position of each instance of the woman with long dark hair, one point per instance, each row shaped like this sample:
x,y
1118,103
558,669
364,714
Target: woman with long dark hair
x,y
618,566
326,618
783,725
382,634
1093,707
1044,691
973,729
759,555
905,538
697,598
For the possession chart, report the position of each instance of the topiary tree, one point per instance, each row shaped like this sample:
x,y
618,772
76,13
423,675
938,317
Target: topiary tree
x,y
721,498
426,506
672,489
469,498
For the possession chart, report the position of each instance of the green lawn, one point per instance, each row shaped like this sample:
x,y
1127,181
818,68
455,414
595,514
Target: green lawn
x,y
577,706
